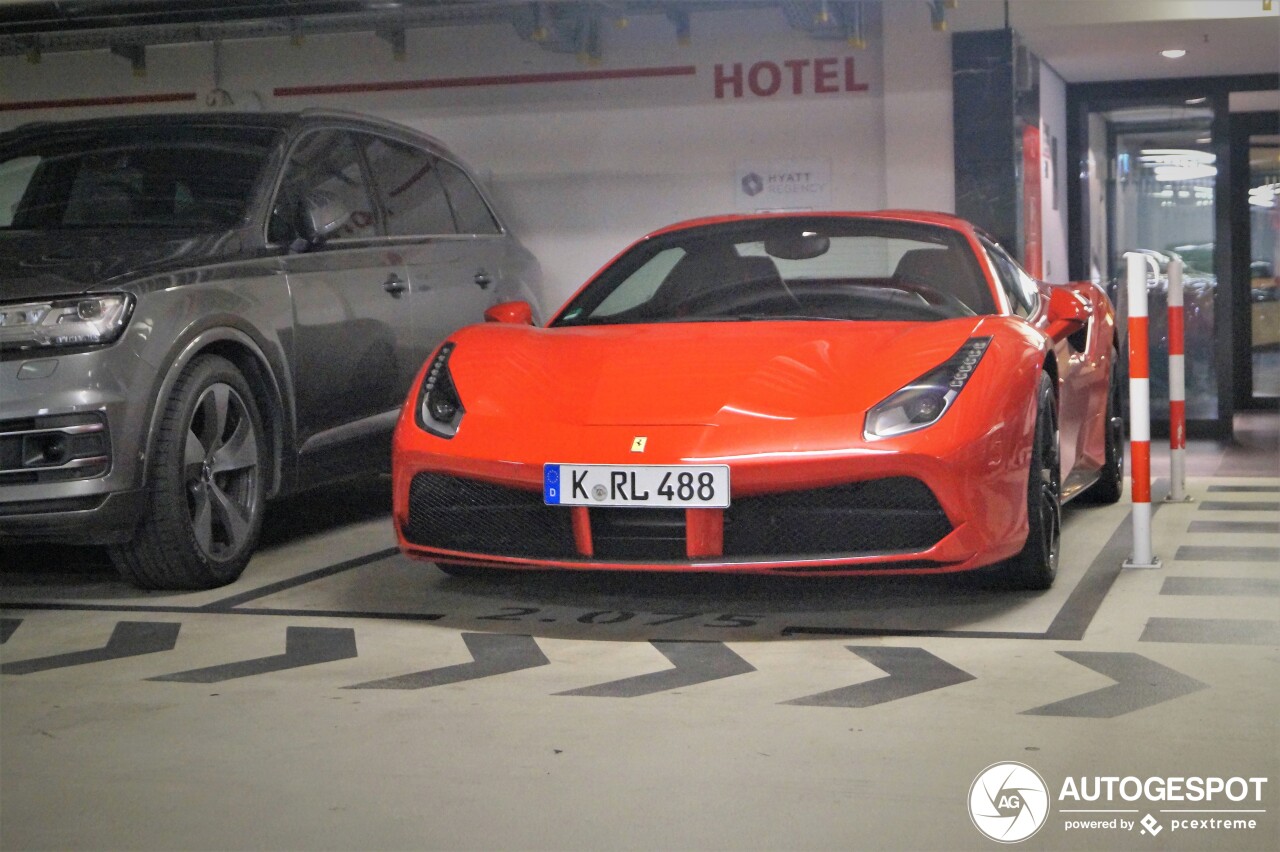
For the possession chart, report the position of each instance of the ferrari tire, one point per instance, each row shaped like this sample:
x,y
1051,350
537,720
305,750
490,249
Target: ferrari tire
x,y
206,486
1110,485
1036,565
456,569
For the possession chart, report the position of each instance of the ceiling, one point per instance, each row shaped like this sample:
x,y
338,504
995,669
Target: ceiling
x,y
1083,40
1096,40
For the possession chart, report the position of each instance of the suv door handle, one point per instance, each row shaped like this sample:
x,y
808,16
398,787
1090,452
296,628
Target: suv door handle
x,y
483,279
394,285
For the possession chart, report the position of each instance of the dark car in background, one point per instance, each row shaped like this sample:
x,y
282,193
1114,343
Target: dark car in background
x,y
202,312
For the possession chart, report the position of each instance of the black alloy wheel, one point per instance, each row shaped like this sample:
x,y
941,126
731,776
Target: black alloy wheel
x,y
1036,565
206,492
457,569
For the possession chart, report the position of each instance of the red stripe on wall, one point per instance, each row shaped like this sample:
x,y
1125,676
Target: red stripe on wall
x,y
79,103
499,80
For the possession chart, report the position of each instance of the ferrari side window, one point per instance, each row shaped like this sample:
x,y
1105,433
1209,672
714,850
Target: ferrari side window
x,y
640,286
1021,297
1029,290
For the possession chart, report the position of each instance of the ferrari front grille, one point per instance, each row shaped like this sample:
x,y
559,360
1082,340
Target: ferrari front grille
x,y
884,516
478,517
638,534
898,514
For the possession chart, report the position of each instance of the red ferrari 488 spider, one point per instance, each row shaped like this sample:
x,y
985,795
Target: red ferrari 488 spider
x,y
817,393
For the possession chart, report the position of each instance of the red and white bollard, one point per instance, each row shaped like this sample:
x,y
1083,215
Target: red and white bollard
x,y
1177,389
1140,411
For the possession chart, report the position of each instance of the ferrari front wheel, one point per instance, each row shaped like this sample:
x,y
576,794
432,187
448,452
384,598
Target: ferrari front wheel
x,y
456,569
1036,565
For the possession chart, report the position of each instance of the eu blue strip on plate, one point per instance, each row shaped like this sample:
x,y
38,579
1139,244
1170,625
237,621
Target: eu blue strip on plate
x,y
551,484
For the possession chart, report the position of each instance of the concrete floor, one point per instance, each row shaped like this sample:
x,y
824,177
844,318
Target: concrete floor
x,y
340,696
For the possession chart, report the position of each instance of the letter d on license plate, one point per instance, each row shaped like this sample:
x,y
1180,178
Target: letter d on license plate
x,y
676,486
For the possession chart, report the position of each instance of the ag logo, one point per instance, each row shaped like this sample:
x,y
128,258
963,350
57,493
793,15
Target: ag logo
x,y
1008,802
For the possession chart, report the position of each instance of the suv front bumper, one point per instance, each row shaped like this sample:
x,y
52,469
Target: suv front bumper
x,y
72,446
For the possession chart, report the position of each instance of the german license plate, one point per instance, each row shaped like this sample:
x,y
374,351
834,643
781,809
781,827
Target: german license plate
x,y
678,486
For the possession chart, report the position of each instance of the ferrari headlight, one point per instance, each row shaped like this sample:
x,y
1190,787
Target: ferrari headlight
x,y
90,320
439,406
923,402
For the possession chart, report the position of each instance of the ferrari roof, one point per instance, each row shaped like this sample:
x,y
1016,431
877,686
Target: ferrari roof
x,y
926,217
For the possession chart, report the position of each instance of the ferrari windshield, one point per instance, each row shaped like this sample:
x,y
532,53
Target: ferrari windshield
x,y
820,268
135,178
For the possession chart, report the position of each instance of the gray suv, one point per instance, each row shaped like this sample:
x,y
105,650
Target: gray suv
x,y
199,313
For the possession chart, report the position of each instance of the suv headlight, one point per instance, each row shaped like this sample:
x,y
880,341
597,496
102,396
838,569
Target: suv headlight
x,y
90,320
923,402
439,406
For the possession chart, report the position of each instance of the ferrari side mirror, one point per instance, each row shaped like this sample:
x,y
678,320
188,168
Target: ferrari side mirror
x,y
1068,313
518,313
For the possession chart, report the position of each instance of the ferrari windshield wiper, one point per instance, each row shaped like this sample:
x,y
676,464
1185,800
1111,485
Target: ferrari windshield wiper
x,y
799,317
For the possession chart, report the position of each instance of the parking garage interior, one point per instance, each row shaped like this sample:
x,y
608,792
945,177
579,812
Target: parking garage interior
x,y
340,695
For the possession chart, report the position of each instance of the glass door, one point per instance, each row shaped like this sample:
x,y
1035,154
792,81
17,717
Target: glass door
x,y
1262,390
1161,202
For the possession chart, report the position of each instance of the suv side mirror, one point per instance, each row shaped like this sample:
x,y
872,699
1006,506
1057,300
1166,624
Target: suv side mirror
x,y
517,313
1068,313
320,215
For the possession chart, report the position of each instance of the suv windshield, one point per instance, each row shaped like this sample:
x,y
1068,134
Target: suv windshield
x,y
139,177
832,268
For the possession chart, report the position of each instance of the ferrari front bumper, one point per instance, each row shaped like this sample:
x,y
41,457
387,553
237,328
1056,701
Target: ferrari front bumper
x,y
894,523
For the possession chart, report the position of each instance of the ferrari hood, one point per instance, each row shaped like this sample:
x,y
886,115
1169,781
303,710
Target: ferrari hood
x,y
695,373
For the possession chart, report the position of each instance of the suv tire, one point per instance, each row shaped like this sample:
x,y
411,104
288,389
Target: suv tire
x,y
206,489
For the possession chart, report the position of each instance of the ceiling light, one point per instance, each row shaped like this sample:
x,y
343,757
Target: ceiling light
x,y
1176,164
1173,53
1264,196
1175,157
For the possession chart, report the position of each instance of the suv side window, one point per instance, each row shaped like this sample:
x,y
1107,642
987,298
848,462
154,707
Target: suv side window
x,y
1018,286
15,177
408,180
473,215
324,161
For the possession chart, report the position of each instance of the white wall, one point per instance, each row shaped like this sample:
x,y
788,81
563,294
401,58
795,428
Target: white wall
x,y
1054,171
918,126
583,168
1098,169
